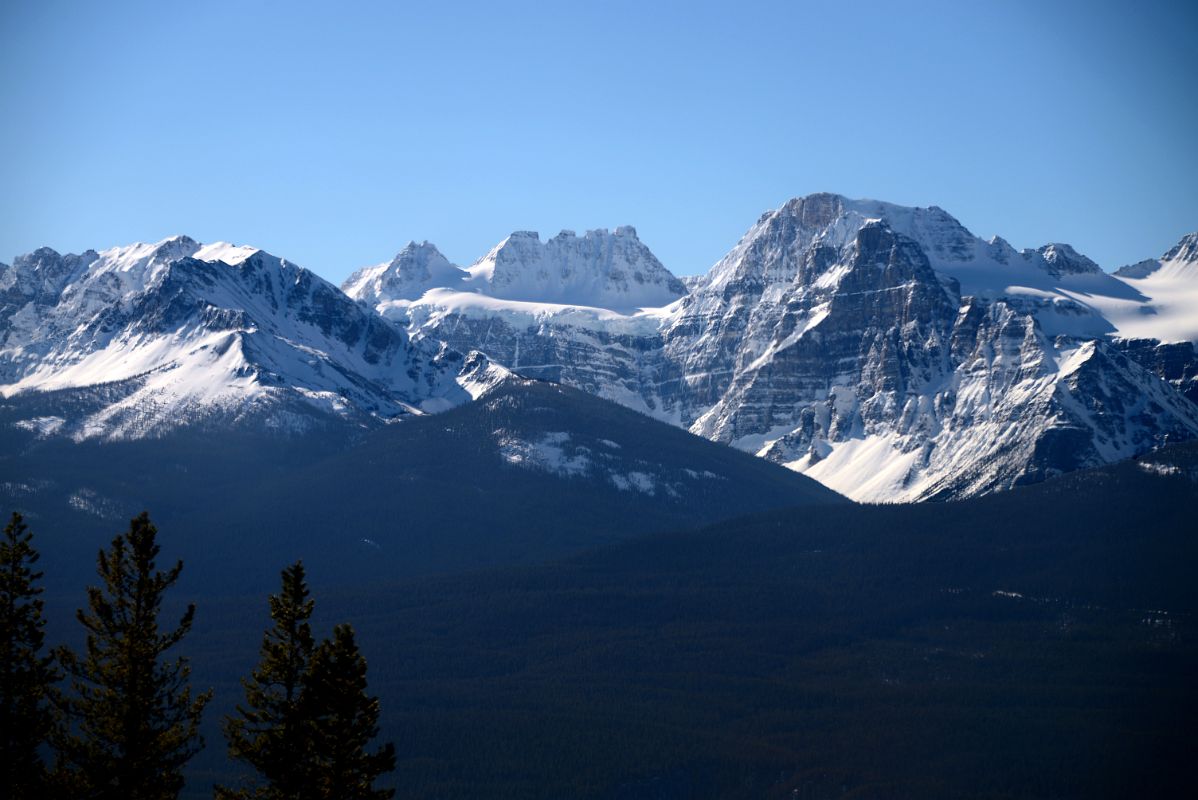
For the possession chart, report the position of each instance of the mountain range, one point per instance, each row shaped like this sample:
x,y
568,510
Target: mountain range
x,y
883,350
590,519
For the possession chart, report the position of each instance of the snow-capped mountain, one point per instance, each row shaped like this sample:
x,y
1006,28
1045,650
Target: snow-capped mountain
x,y
584,311
151,336
414,270
602,269
885,350
857,356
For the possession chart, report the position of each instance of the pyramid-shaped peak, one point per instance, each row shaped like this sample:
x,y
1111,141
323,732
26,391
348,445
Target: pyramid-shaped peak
x,y
414,270
1062,259
1185,250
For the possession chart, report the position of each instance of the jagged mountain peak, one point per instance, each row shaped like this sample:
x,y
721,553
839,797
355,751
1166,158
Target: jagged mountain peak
x,y
1140,269
1181,260
602,268
413,271
139,254
620,232
40,277
413,249
797,240
886,349
180,333
814,210
136,264
1061,259
1185,250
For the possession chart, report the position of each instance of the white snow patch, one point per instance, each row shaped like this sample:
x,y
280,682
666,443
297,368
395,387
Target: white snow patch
x,y
1154,468
870,469
92,502
704,475
547,453
231,254
635,481
42,426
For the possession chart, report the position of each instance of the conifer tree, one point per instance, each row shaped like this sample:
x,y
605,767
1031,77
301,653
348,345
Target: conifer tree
x,y
133,721
26,675
344,720
269,732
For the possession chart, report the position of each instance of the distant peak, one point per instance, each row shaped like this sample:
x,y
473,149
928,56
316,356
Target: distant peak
x,y
815,198
600,234
1062,259
412,248
1141,269
1185,250
414,270
599,269
1183,255
810,211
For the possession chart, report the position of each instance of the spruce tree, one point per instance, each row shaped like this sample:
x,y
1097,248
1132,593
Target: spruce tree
x,y
133,721
269,732
26,717
344,720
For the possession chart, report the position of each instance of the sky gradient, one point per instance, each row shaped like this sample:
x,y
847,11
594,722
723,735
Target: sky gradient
x,y
332,135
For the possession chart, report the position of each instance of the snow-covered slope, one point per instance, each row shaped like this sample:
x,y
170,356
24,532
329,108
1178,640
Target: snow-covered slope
x,y
1170,286
178,333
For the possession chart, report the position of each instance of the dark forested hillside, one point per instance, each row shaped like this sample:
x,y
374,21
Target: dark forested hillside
x,y
1037,643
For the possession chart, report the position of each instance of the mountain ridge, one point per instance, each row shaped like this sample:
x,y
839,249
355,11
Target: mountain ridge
x,y
885,350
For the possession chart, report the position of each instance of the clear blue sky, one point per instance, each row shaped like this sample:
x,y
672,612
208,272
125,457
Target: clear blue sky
x,y
332,133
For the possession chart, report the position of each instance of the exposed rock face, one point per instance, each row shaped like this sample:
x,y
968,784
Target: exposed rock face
x,y
1061,259
618,359
827,341
1176,362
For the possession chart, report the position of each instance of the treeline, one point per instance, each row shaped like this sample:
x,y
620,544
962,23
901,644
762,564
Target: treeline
x,y
120,719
